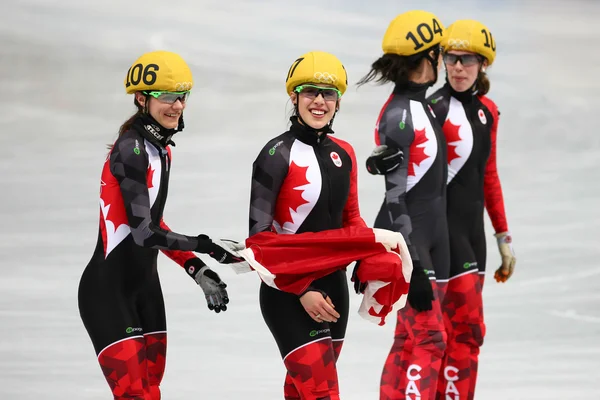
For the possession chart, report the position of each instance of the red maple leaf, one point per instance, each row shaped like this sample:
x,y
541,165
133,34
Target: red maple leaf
x,y
290,197
149,177
110,194
417,151
452,137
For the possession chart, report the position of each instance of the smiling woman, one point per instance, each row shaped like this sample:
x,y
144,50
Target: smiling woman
x,y
304,180
158,92
315,83
120,296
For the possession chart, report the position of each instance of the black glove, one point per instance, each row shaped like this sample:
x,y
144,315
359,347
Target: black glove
x,y
359,287
222,254
210,283
420,292
384,159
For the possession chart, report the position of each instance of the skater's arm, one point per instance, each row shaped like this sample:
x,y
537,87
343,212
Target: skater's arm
x,y
129,166
395,131
268,173
178,256
492,189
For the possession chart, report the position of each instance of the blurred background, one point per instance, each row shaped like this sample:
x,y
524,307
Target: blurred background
x,y
62,65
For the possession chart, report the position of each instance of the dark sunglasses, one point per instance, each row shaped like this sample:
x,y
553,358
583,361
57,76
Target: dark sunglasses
x,y
169,97
465,59
311,92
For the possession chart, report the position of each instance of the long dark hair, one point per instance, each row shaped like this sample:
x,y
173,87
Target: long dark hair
x,y
482,83
127,124
392,68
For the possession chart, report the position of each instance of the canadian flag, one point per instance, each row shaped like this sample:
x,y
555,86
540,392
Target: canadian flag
x,y
292,262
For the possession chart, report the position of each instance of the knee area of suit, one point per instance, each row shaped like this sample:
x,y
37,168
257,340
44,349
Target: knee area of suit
x,y
434,341
471,335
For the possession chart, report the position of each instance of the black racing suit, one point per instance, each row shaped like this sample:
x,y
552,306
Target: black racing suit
x,y
415,205
303,182
470,124
120,297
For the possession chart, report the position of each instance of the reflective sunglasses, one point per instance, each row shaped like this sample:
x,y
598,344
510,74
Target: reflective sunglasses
x,y
311,92
169,97
466,60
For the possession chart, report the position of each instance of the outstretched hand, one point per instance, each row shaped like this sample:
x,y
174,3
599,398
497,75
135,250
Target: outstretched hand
x,y
224,254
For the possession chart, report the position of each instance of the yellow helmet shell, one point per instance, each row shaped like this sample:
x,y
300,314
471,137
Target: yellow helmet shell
x,y
159,70
470,35
317,67
412,32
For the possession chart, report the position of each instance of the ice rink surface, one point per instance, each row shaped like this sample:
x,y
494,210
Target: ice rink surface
x,y
62,65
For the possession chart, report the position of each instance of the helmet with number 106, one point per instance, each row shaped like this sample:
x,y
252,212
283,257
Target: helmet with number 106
x,y
159,71
470,35
412,32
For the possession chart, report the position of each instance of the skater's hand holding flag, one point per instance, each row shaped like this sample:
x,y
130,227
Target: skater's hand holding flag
x,y
224,254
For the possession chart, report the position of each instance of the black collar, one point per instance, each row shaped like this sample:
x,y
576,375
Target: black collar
x,y
414,91
464,97
307,134
151,130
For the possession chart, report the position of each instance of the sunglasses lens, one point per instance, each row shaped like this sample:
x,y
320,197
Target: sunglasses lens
x,y
312,92
469,59
329,95
450,58
170,98
465,59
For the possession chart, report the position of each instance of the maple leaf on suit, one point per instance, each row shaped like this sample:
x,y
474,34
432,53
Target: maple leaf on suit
x,y
417,151
149,177
290,197
452,137
112,201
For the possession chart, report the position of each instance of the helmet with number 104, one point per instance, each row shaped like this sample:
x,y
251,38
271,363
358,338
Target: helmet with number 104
x,y
470,35
317,67
159,71
412,32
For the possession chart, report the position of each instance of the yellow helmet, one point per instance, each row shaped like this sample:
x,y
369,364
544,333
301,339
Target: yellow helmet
x,y
412,32
159,70
470,35
317,67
